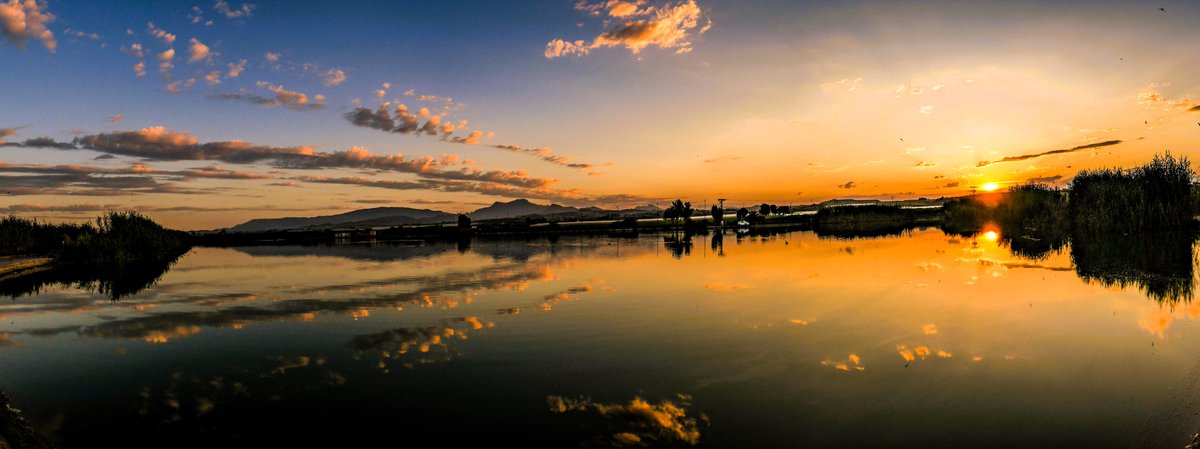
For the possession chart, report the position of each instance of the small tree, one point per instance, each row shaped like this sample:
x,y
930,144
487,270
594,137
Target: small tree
x,y
464,222
718,215
742,213
678,210
764,209
755,218
670,214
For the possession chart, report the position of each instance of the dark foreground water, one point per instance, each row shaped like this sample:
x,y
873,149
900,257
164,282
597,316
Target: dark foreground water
x,y
920,340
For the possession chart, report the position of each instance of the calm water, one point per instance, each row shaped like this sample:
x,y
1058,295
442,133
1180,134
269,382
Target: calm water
x,y
919,340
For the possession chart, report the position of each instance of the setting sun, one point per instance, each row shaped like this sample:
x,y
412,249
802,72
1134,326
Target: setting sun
x,y
990,187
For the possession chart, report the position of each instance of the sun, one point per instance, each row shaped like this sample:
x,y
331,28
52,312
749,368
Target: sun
x,y
990,187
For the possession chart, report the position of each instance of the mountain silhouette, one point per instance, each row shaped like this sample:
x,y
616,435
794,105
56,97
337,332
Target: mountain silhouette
x,y
379,216
397,216
518,208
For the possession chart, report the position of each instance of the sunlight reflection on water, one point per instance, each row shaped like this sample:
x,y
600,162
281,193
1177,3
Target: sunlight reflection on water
x,y
920,339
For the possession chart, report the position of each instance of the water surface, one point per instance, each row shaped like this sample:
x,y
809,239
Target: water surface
x,y
788,340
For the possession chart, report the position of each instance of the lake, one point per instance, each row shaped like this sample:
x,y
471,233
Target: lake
x,y
921,339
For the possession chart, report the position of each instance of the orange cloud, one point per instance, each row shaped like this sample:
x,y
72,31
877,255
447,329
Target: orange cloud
x,y
666,27
198,51
26,20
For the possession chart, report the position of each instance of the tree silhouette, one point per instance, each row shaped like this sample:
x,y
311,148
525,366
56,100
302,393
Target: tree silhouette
x,y
464,222
742,213
678,210
718,215
764,209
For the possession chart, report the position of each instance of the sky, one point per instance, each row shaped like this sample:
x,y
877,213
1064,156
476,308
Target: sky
x,y
203,114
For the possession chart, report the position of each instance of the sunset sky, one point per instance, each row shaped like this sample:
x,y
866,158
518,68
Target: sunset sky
x,y
206,114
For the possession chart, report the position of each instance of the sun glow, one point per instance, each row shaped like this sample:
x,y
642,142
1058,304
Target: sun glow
x,y
990,187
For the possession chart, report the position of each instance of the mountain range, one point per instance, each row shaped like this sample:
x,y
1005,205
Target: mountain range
x,y
396,216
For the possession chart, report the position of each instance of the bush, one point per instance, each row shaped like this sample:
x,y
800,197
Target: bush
x,y
121,254
1157,196
1033,220
964,216
116,238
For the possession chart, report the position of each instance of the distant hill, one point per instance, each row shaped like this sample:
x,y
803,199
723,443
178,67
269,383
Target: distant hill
x,y
379,216
518,208
647,208
396,216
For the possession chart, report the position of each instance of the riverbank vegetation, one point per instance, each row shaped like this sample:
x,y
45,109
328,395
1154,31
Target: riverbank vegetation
x,y
1157,197
114,238
120,253
1125,227
870,220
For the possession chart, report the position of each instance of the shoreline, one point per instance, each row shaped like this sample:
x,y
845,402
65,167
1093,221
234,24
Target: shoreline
x,y
15,267
15,431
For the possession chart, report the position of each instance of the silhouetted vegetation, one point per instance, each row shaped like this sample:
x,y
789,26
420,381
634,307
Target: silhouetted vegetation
x,y
1125,228
122,253
773,209
678,210
1161,265
1154,197
1036,219
868,221
115,238
113,281
964,216
1033,220
19,236
678,245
